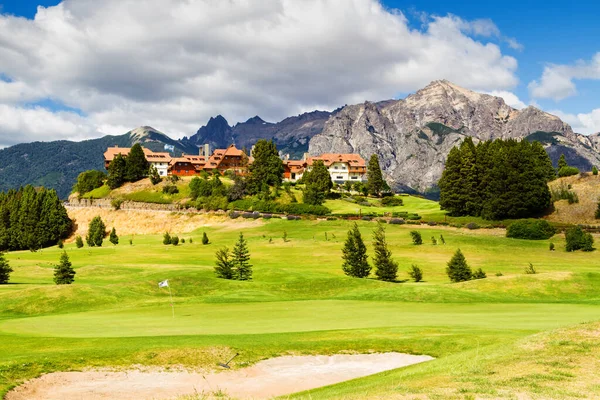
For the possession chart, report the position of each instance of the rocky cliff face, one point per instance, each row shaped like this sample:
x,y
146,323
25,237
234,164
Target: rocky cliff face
x,y
413,137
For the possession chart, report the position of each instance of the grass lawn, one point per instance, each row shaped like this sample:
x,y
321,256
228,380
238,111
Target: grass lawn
x,y
485,334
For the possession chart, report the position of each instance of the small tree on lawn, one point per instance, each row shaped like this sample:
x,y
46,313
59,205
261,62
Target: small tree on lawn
x,y
78,242
577,239
224,268
479,274
416,273
174,240
458,270
64,274
166,238
416,237
354,255
113,238
204,238
96,232
594,170
5,269
386,269
241,258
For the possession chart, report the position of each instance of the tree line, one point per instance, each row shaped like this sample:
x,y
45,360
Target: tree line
x,y
31,219
497,179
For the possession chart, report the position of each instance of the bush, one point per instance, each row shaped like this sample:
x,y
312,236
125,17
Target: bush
x,y
166,238
234,215
116,204
415,273
567,171
594,170
597,215
577,239
89,180
551,247
331,219
563,192
96,232
400,214
392,201
267,216
416,237
472,225
204,238
61,244
170,189
272,207
365,218
397,221
174,240
530,270
413,217
533,230
479,274
212,203
79,242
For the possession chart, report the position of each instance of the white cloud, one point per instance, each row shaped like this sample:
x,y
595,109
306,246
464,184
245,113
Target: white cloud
x,y
581,123
173,63
509,98
557,81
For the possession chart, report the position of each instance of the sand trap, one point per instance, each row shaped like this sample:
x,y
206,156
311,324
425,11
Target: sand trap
x,y
274,377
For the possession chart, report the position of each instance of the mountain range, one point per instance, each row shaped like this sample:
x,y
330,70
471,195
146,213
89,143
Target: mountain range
x,y
411,136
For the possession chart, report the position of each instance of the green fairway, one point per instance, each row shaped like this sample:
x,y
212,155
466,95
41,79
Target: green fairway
x,y
299,302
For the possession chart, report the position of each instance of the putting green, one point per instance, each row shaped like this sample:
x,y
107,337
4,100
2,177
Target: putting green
x,y
297,316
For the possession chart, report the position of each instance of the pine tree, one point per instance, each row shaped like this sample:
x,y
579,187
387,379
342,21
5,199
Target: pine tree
x,y
166,238
64,274
416,273
266,169
204,238
79,242
416,238
240,259
458,270
224,268
318,183
114,239
5,269
354,255
450,184
155,178
386,269
175,240
137,167
597,215
96,232
562,162
117,170
594,170
479,274
375,182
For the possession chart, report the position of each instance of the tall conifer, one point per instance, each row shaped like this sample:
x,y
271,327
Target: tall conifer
x,y
354,254
5,269
386,268
240,259
375,182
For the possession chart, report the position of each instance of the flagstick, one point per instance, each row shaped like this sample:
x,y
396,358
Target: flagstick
x,y
172,307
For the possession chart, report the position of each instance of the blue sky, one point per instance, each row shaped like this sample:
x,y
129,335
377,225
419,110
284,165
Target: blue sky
x,y
85,68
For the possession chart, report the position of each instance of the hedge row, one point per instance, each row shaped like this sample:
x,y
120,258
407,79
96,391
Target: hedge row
x,y
276,208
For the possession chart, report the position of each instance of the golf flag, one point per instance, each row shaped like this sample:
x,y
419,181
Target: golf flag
x,y
163,284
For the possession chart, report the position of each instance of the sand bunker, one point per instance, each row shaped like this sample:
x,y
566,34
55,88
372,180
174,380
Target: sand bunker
x,y
274,377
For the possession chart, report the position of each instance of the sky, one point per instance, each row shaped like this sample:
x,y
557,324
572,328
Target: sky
x,y
79,69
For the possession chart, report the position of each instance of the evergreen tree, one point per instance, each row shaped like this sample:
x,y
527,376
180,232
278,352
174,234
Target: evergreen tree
x,y
594,170
79,242
354,255
117,170
166,238
174,240
416,237
64,274
458,270
5,269
155,178
562,162
577,239
318,184
225,266
416,273
450,196
479,274
137,167
266,169
597,215
114,239
96,232
386,269
204,238
375,182
240,259
89,180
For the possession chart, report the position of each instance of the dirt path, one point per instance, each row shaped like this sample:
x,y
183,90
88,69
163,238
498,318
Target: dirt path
x,y
274,377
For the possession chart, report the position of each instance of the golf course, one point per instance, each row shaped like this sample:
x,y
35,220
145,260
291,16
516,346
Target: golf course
x,y
510,335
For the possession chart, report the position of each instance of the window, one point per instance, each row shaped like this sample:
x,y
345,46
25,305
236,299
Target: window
x,y
339,177
354,177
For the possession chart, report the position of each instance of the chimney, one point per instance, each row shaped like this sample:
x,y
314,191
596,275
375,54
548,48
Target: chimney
x,y
204,150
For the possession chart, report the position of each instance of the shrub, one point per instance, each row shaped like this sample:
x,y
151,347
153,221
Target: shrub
x,y
400,214
594,170
533,230
166,238
563,192
234,215
331,219
551,247
416,237
530,270
96,232
116,204
567,171
174,240
113,238
597,215
272,207
224,268
61,244
89,180
79,242
415,273
413,217
365,218
182,241
204,238
442,239
472,225
170,189
479,274
577,239
267,216
499,274
396,221
458,270
433,240
392,201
